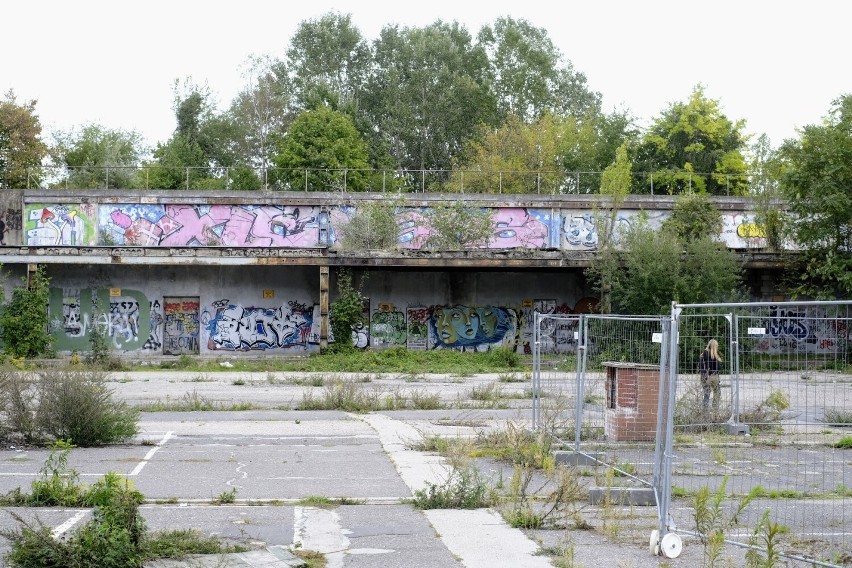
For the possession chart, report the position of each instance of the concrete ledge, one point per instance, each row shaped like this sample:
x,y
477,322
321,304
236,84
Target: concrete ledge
x,y
577,458
639,496
736,429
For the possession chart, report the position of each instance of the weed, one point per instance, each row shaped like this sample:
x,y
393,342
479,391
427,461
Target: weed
x,y
711,521
464,488
238,382
226,497
766,536
422,400
838,418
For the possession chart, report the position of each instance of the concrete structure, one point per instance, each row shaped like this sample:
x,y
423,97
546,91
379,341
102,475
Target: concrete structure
x,y
174,272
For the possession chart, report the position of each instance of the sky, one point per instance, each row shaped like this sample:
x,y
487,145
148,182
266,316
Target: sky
x,y
776,64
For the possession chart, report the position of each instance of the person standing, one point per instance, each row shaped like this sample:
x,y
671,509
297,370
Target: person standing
x,y
708,368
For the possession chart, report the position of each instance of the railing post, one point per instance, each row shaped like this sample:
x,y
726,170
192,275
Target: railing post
x,y
306,180
384,179
345,171
462,181
146,177
423,181
106,182
500,182
187,178
651,175
538,183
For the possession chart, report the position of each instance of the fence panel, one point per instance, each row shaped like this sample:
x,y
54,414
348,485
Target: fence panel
x,y
769,435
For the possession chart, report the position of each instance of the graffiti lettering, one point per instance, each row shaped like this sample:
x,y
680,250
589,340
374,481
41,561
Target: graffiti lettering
x,y
237,328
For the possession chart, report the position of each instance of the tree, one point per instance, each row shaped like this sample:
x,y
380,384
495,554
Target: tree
x,y
817,183
328,62
21,147
323,151
345,312
615,186
24,320
766,169
692,146
428,94
515,158
529,75
694,217
99,157
373,226
259,115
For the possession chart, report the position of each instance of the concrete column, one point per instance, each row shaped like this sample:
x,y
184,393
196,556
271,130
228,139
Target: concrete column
x,y
323,307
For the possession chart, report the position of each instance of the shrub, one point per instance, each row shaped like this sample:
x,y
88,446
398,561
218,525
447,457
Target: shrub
x,y
17,405
77,405
23,321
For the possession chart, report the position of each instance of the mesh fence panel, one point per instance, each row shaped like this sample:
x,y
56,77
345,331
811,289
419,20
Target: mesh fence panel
x,y
773,426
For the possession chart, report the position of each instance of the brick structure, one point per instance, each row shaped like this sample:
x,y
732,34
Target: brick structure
x,y
632,393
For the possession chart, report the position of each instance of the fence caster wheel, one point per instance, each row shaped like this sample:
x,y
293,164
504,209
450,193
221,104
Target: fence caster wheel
x,y
654,545
671,545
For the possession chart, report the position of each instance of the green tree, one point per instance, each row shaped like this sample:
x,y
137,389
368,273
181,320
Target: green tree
x,y
323,151
428,94
817,183
766,169
21,147
99,157
24,320
693,146
515,158
346,312
530,76
615,186
328,61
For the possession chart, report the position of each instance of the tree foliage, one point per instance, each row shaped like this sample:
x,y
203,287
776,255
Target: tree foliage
x,y
97,157
766,168
817,183
346,312
323,151
694,217
24,320
428,94
530,77
373,226
21,147
694,147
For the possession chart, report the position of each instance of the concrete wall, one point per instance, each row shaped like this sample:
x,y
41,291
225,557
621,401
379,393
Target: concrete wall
x,y
273,310
304,221
11,215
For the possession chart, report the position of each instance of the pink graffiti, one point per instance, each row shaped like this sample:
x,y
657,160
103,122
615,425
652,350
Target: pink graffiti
x,y
516,228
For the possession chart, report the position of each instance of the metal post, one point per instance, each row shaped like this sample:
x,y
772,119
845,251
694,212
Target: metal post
x,y
668,456
187,178
146,177
384,177
323,334
735,366
462,181
536,378
106,169
582,353
423,181
345,170
652,183
499,182
306,179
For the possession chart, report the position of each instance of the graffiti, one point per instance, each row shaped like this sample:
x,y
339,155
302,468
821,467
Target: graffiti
x,y
49,225
418,328
180,326
740,231
582,230
154,341
13,220
478,328
798,330
211,225
388,328
513,227
124,320
236,328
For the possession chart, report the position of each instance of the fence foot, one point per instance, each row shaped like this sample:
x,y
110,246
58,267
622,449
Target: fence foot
x,y
736,429
577,458
637,496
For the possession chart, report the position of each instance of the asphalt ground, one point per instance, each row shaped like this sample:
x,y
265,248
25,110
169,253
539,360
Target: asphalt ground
x,y
270,460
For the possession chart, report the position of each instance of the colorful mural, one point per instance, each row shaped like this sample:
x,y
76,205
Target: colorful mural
x,y
387,328
52,225
181,327
124,319
237,328
417,328
210,225
472,328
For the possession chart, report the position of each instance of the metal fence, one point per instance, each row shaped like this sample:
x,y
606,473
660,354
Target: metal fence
x,y
758,457
544,182
599,397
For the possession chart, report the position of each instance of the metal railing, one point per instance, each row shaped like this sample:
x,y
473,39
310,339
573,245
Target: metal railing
x,y
543,182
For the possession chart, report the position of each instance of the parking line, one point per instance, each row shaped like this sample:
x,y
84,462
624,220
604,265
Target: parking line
x,y
60,530
150,455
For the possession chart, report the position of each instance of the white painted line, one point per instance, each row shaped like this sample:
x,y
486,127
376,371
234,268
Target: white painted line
x,y
150,455
61,529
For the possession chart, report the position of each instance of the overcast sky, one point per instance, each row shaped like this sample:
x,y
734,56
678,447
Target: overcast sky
x,y
776,64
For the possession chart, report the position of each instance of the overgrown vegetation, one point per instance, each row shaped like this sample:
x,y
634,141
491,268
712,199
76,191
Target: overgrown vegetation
x,y
73,404
346,312
116,537
456,225
24,320
712,519
372,226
